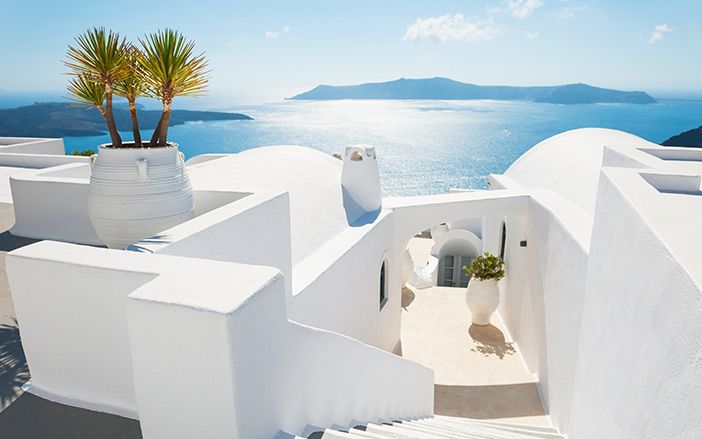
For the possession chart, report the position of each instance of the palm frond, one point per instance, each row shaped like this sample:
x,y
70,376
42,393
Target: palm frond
x,y
171,67
132,84
98,54
86,92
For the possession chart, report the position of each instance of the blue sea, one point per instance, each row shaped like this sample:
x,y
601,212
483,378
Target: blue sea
x,y
424,147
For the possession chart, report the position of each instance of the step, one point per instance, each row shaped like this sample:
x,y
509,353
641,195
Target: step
x,y
467,431
366,434
429,431
440,430
388,431
336,434
472,421
527,431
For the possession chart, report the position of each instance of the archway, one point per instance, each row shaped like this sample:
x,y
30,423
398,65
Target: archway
x,y
454,250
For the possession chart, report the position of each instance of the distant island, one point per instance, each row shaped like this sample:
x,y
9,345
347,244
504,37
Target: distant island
x,y
692,137
447,89
57,119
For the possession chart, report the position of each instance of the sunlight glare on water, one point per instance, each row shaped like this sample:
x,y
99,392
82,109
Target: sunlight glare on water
x,y
424,146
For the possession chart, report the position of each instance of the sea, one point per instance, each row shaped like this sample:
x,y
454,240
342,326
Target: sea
x,y
423,146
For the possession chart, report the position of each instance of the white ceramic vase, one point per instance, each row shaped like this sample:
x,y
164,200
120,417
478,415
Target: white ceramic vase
x,y
135,193
482,297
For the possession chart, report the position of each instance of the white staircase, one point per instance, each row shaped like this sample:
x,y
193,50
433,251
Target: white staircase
x,y
441,427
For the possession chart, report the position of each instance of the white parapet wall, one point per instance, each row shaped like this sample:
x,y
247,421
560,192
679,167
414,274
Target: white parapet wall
x,y
266,374
71,305
191,346
242,231
53,204
32,145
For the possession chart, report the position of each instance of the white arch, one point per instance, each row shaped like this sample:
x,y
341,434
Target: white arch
x,y
413,214
466,236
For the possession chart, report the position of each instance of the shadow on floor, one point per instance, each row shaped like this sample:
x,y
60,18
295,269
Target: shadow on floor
x,y
13,365
33,417
489,340
9,242
488,402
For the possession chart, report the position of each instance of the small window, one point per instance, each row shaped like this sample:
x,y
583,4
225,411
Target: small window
x,y
503,240
383,286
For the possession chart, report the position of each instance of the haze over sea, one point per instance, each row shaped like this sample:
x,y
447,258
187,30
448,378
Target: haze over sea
x,y
424,147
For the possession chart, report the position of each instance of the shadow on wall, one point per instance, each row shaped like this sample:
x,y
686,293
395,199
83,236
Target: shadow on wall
x,y
488,402
356,216
489,340
156,239
13,365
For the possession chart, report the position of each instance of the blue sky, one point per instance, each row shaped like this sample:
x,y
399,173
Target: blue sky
x,y
268,50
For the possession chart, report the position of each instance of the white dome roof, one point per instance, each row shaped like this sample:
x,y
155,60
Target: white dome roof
x,y
569,163
312,178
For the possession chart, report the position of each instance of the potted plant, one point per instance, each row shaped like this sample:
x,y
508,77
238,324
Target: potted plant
x,y
137,189
482,294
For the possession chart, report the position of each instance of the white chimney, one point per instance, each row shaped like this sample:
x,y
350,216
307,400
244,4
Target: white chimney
x,y
360,181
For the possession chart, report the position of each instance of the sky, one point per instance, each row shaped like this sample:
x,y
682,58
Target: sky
x,y
263,51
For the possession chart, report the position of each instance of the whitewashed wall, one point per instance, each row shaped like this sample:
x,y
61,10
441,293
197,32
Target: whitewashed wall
x,y
266,373
542,294
253,230
337,287
31,145
640,370
53,204
71,305
195,347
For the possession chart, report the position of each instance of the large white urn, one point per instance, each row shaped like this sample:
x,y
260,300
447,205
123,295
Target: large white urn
x,y
482,298
135,193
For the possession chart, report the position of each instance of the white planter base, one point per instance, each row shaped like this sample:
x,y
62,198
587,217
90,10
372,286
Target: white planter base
x,y
135,193
482,297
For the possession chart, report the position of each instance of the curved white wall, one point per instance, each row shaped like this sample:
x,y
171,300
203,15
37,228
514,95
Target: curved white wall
x,y
569,163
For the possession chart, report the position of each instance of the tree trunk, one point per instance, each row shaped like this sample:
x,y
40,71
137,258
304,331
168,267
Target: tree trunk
x,y
135,122
110,118
157,131
163,136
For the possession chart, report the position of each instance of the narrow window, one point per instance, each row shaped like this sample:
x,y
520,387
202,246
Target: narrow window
x,y
503,240
447,280
383,286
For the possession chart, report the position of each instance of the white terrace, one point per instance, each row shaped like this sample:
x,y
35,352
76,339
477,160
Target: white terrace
x,y
278,309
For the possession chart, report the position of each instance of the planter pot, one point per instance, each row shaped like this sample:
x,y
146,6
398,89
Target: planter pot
x,y
135,193
482,297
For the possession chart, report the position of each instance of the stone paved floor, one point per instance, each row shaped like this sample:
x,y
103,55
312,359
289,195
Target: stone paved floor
x,y
13,366
478,370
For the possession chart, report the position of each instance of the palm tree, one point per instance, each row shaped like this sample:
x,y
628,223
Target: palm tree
x,y
99,56
171,69
131,86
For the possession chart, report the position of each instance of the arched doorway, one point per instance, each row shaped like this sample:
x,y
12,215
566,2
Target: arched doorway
x,y
454,250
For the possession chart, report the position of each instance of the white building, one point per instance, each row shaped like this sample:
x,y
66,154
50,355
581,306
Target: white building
x,y
282,298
